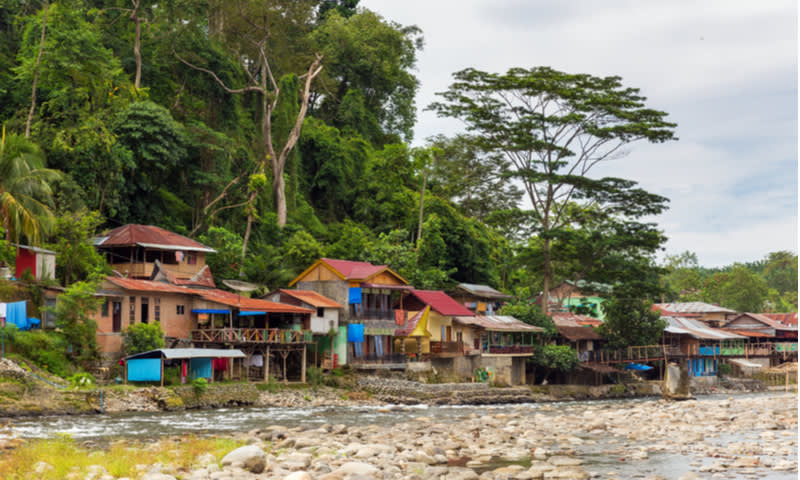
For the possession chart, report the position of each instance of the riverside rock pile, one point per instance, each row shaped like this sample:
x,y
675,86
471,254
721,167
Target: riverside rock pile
x,y
745,437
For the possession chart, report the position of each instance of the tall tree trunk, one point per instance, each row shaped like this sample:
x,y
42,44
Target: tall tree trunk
x,y
279,190
36,74
421,200
137,48
547,275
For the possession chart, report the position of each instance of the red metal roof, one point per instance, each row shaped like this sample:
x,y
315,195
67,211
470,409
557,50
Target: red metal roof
x,y
149,235
246,303
785,318
441,302
354,270
312,298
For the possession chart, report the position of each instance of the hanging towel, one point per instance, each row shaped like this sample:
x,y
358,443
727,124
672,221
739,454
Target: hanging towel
x,y
256,361
400,317
481,306
378,345
354,295
355,333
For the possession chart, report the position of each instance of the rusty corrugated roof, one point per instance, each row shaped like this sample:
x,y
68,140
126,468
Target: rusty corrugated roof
x,y
785,318
246,303
573,334
212,295
569,319
312,298
767,321
150,236
748,333
696,329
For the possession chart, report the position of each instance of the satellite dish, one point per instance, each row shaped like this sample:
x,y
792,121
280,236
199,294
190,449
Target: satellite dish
x,y
240,286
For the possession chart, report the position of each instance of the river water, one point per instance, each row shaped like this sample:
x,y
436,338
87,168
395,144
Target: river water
x,y
142,426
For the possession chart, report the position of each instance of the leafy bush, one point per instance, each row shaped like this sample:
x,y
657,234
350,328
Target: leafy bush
x,y
46,349
200,386
142,337
81,380
724,369
315,377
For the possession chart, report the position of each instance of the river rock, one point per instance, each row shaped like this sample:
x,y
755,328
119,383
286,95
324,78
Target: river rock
x,y
298,476
249,457
356,468
156,476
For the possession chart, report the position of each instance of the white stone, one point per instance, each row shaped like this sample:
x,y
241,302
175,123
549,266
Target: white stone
x,y
356,468
249,457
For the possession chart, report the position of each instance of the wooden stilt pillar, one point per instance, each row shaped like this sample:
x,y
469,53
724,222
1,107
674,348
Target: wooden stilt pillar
x,y
266,365
303,366
284,354
162,370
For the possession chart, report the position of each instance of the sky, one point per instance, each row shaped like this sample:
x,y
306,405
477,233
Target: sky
x,y
724,70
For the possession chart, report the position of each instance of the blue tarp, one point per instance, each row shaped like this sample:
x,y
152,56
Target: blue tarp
x,y
354,295
200,368
637,367
144,370
211,310
17,315
355,333
248,314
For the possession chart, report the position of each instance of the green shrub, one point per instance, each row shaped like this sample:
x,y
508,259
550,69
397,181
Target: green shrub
x,y
142,337
271,385
724,369
314,376
81,380
45,348
200,386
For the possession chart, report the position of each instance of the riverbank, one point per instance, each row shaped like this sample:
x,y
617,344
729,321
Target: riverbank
x,y
25,393
741,437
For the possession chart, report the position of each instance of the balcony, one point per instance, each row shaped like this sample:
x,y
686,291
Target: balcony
x,y
372,314
509,350
448,349
252,335
387,361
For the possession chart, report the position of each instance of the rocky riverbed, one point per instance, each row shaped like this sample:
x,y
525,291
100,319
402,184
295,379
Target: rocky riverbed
x,y
745,437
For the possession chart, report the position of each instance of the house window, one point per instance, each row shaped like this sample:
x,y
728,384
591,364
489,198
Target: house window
x,y
320,312
157,309
180,309
191,258
104,308
133,310
145,310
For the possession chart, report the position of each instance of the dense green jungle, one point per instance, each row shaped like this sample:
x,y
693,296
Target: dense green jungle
x,y
278,132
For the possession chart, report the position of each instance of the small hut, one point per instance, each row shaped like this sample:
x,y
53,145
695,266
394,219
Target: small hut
x,y
194,363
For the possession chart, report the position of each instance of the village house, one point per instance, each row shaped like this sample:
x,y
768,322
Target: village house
x,y
133,251
369,292
578,332
568,296
764,333
701,346
479,299
330,337
712,315
39,261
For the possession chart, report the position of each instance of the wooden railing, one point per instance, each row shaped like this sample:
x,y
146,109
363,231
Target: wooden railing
x,y
448,348
251,335
510,349
656,352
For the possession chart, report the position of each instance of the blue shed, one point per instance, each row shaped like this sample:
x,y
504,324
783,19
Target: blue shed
x,y
195,363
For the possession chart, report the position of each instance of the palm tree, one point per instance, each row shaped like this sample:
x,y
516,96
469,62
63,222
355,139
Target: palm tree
x,y
25,193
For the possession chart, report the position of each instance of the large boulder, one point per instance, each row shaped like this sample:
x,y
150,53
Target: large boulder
x,y
249,457
677,382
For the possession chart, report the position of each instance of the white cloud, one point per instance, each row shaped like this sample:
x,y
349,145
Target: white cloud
x,y
725,71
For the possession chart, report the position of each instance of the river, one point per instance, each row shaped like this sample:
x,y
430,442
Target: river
x,y
606,452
